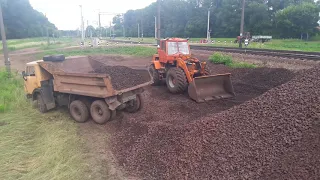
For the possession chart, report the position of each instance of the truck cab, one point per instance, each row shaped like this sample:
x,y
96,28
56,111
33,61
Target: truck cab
x,y
33,75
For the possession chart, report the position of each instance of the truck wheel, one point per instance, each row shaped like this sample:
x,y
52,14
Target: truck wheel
x,y
155,75
41,105
135,105
176,80
100,112
79,111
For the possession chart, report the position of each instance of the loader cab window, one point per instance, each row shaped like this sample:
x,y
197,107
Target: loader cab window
x,y
178,47
163,46
30,71
172,48
183,47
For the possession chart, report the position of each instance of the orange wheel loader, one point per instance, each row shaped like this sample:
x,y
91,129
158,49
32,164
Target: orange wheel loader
x,y
175,65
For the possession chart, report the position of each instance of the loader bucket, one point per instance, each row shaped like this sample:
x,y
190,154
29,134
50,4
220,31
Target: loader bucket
x,y
209,88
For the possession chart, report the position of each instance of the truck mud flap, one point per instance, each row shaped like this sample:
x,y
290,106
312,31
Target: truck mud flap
x,y
47,94
209,88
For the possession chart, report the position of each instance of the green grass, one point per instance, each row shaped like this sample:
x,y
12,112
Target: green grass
x,y
40,43
219,58
138,51
37,146
8,90
135,39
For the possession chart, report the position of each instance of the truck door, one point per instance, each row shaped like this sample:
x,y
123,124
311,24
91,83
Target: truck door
x,y
30,82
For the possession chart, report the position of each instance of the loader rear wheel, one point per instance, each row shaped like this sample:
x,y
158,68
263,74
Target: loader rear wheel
x,y
135,105
155,75
100,112
176,80
79,111
41,105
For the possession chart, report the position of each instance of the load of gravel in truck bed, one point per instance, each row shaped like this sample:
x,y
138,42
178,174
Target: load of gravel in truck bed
x,y
274,136
124,77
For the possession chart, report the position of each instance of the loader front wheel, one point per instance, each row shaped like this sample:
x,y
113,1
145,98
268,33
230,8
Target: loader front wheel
x,y
100,112
79,111
155,75
176,80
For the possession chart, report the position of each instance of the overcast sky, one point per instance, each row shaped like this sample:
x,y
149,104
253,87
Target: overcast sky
x,y
65,14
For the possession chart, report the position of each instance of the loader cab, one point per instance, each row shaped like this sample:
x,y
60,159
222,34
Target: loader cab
x,y
172,48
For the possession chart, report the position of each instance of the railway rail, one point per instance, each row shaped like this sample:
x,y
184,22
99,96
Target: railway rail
x,y
262,52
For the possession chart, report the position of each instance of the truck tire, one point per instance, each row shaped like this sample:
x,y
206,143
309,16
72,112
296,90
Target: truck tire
x,y
54,58
155,75
79,111
100,112
41,105
135,105
176,80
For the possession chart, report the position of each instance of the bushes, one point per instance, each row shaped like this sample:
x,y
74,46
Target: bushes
x,y
219,58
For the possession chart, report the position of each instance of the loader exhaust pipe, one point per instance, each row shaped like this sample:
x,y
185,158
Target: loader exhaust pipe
x,y
207,88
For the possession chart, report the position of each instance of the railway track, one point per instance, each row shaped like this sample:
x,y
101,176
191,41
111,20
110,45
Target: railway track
x,y
263,52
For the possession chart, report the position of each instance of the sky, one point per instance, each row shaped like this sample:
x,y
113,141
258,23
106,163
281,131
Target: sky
x,y
65,14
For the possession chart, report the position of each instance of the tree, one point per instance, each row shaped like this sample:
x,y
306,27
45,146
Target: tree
x,y
22,21
297,20
188,18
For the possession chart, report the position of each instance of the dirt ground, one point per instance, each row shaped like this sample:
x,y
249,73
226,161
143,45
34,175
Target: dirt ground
x,y
110,144
20,58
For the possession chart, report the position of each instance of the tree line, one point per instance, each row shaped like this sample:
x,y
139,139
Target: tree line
x,y
188,18
22,21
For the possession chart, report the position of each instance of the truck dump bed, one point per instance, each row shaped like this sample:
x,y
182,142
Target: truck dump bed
x,y
77,76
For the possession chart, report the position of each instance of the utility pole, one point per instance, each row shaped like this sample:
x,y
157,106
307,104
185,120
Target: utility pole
x,y
142,27
82,26
208,27
155,27
242,23
138,30
158,22
124,31
123,28
99,25
48,38
4,43
47,29
87,33
110,31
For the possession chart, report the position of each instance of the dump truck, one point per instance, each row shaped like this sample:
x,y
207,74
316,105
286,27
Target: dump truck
x,y
174,64
54,82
